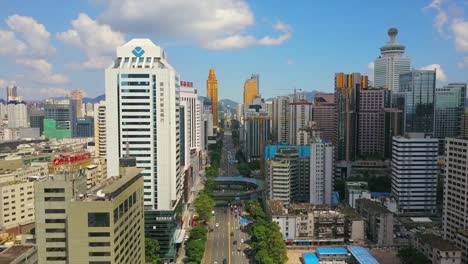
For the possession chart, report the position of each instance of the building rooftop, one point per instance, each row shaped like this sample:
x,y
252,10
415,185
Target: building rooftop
x,y
362,255
357,185
332,251
9,254
463,232
437,242
279,208
373,206
111,187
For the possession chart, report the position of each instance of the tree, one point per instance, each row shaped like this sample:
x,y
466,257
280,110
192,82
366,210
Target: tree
x,y
277,246
410,255
263,257
195,250
204,204
244,169
151,250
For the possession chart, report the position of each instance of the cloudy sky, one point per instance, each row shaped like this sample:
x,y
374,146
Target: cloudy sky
x,y
50,47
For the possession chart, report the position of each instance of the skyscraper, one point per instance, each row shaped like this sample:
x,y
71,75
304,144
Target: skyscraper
x,y
256,130
321,172
324,115
100,136
371,138
77,96
449,109
142,119
347,89
251,89
300,114
212,92
414,173
415,97
17,114
391,63
12,93
280,119
455,206
36,119
60,118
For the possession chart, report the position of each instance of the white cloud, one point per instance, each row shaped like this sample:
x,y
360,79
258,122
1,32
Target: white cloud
x,y
3,83
440,73
463,64
10,45
441,18
42,71
34,33
214,24
290,62
281,26
97,41
460,33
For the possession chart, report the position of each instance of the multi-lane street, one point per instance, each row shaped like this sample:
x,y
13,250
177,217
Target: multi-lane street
x,y
228,166
226,241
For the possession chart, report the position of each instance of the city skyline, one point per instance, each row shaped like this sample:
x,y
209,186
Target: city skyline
x,y
50,55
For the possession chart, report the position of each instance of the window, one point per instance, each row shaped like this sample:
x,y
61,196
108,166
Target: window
x,y
99,262
55,230
56,258
98,219
54,211
55,249
99,244
99,254
54,190
56,239
98,234
55,221
54,199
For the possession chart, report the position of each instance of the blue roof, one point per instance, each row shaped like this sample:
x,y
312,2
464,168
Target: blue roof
x,y
270,150
332,251
310,258
362,255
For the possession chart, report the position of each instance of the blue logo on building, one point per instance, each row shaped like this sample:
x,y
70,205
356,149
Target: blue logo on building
x,y
138,51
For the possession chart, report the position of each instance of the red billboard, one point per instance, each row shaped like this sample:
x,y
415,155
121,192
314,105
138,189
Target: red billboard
x,y
71,158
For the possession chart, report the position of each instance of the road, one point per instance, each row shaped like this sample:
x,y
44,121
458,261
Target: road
x,y
228,168
220,244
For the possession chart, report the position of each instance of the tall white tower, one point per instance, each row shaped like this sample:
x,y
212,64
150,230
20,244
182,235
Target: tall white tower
x,y
142,113
392,63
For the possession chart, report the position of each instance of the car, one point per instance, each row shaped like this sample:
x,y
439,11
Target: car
x,y
232,233
224,261
242,240
216,262
217,224
234,242
238,249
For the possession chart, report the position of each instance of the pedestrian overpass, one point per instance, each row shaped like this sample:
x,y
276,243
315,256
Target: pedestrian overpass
x,y
237,188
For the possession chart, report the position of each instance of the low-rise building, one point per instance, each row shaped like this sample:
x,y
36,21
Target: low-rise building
x,y
18,254
307,224
356,190
379,221
437,249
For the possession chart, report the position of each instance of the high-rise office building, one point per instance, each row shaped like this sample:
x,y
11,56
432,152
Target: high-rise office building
x,y
142,112
100,136
347,89
251,89
256,131
455,206
321,172
371,116
36,119
77,96
3,111
416,98
60,118
89,110
465,125
12,93
84,127
189,95
449,109
212,93
300,114
414,173
391,63
104,224
17,114
280,119
324,115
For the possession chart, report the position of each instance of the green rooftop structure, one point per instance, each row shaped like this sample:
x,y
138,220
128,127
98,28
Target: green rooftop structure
x,y
52,131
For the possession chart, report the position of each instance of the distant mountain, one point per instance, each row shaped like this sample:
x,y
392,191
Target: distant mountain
x,y
309,95
223,103
94,100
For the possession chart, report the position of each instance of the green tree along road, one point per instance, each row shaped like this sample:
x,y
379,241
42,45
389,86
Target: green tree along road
x,y
151,250
204,204
410,255
244,169
267,240
196,244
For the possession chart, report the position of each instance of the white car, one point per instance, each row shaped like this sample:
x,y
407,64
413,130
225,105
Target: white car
x,y
242,240
217,224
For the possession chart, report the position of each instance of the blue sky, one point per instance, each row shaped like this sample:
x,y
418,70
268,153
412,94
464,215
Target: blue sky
x,y
50,47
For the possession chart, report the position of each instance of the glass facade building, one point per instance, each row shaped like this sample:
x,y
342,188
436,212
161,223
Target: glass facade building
x,y
450,106
416,99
